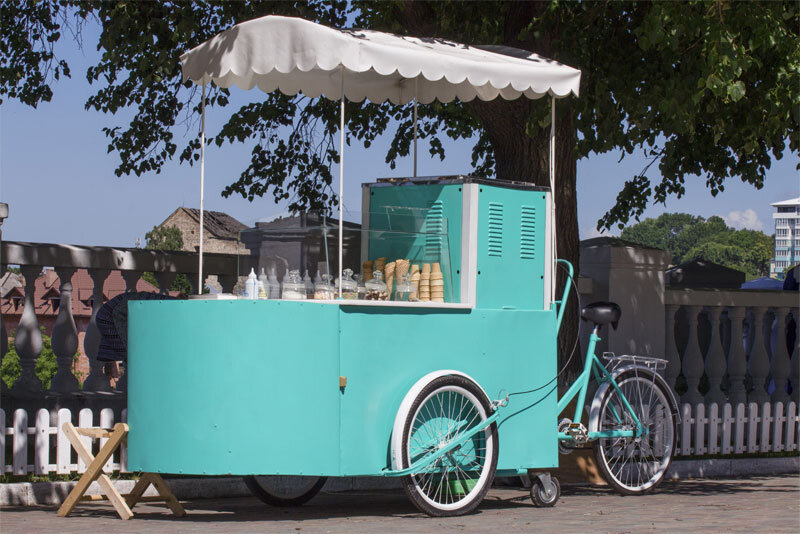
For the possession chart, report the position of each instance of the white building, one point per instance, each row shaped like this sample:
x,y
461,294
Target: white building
x,y
787,236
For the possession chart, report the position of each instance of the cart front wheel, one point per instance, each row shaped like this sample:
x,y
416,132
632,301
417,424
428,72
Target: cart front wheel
x,y
455,483
545,493
284,490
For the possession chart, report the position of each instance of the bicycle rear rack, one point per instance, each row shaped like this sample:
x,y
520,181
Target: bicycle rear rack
x,y
656,365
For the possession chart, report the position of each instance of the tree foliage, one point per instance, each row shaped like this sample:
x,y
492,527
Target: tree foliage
x,y
164,238
688,237
167,238
703,88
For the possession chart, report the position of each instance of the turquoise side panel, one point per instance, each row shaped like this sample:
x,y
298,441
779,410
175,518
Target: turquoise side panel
x,y
511,242
445,201
385,351
239,387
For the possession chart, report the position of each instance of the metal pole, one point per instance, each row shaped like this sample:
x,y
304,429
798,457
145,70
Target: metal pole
x,y
415,127
341,179
554,251
202,184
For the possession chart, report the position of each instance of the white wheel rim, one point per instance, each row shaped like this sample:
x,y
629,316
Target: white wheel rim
x,y
653,410
468,407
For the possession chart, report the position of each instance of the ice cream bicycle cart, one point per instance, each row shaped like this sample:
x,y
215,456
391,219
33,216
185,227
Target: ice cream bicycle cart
x,y
444,375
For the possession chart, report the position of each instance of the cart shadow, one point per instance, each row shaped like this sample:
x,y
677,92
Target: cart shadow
x,y
394,504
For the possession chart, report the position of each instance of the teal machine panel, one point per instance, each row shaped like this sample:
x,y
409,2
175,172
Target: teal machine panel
x,y
511,247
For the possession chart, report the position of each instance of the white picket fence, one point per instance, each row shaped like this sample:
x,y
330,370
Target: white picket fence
x,y
49,450
706,430
703,430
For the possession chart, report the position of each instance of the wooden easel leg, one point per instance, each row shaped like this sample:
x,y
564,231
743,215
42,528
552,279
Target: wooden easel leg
x,y
138,490
94,471
169,497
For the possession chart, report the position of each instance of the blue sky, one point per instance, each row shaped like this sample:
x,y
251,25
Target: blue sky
x,y
59,181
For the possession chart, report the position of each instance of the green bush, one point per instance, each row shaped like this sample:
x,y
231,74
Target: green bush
x,y
46,365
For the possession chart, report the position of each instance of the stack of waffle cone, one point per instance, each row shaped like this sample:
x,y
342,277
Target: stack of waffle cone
x,y
401,270
425,283
388,275
380,265
414,282
437,284
366,270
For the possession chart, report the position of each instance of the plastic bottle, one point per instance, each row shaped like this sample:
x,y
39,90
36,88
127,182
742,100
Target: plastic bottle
x,y
263,279
251,286
274,287
262,290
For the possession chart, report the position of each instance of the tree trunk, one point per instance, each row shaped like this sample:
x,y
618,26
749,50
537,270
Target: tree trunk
x,y
523,158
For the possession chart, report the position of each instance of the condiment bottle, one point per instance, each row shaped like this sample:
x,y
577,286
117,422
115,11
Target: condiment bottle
x,y
293,287
376,288
349,286
251,286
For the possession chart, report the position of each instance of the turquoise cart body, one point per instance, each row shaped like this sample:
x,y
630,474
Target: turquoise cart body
x,y
253,387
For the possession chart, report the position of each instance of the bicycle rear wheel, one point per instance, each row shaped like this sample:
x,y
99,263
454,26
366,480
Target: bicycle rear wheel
x,y
633,466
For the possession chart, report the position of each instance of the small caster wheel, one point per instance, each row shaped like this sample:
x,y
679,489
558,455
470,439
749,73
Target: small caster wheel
x,y
545,491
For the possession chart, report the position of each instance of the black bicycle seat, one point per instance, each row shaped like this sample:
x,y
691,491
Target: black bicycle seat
x,y
602,313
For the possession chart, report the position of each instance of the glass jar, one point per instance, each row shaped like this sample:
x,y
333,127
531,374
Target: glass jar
x,y
349,286
404,292
362,289
376,288
293,287
324,289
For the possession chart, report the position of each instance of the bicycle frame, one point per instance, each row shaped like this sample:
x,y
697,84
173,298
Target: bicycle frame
x,y
592,367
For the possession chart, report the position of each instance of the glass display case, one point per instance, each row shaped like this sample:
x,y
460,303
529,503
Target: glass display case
x,y
408,245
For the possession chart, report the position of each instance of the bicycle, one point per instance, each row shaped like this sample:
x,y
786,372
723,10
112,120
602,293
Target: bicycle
x,y
632,418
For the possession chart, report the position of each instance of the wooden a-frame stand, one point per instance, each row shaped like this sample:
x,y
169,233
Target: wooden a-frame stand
x,y
94,471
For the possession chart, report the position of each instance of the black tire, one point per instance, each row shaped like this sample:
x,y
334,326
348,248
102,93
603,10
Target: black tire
x,y
268,493
478,456
545,497
637,466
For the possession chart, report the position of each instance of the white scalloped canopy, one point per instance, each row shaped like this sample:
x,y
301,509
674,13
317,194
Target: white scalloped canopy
x,y
295,55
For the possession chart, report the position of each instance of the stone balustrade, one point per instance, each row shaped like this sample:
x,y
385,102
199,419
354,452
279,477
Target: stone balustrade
x,y
32,258
733,346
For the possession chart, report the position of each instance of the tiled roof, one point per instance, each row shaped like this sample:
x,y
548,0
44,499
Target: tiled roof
x,y
47,286
218,223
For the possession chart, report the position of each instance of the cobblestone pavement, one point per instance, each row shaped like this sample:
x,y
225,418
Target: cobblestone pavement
x,y
768,504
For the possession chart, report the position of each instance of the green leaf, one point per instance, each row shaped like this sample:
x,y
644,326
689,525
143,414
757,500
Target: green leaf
x,y
736,91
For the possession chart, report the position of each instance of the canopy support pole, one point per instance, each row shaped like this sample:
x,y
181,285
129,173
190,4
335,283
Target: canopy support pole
x,y
415,127
554,246
202,185
341,179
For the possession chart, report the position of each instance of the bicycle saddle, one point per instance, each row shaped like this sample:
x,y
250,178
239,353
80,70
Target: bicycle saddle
x,y
602,313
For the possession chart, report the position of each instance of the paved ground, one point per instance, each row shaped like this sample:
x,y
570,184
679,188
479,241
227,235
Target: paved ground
x,y
768,504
